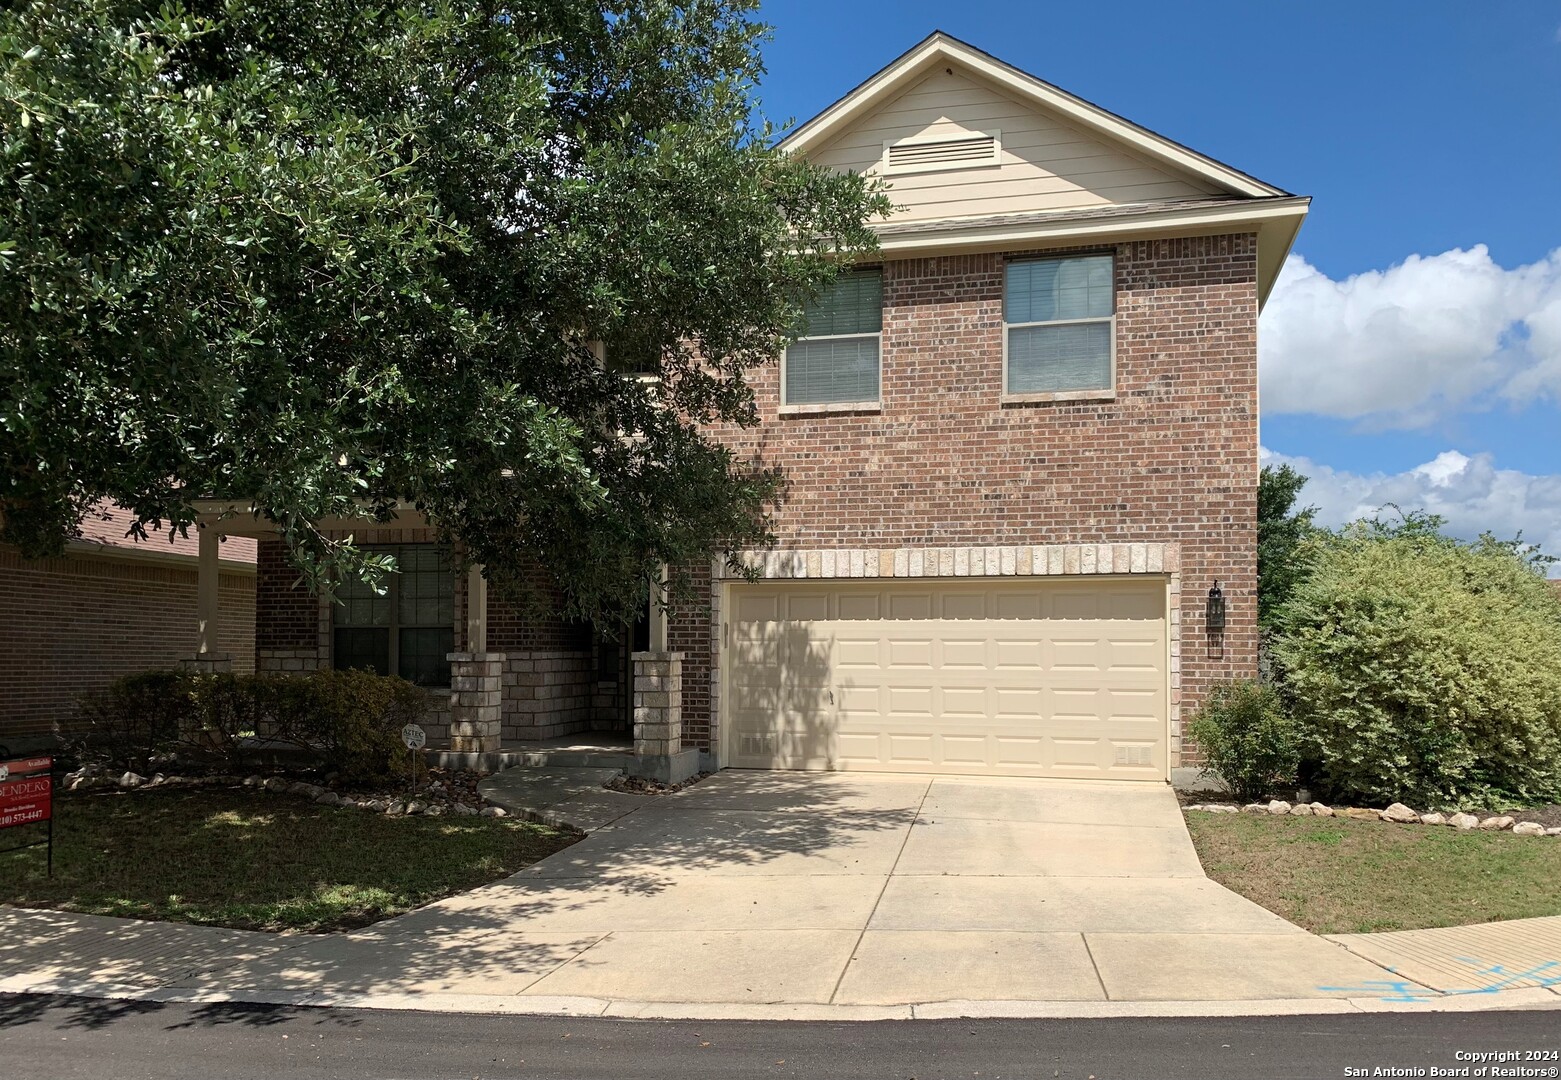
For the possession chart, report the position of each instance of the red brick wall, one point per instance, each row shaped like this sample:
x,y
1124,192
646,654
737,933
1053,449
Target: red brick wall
x,y
71,625
689,632
524,624
945,463
285,617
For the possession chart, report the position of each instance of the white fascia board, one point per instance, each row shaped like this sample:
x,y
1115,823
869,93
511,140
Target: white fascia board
x,y
94,549
1276,224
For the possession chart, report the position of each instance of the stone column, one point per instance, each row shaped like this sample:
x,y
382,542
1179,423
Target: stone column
x,y
476,700
658,704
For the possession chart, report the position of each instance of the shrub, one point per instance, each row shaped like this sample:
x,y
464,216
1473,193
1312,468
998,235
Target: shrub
x,y
351,720
1247,739
1426,670
131,722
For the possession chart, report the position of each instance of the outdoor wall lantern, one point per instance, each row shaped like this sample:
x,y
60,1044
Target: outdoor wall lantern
x,y
1214,614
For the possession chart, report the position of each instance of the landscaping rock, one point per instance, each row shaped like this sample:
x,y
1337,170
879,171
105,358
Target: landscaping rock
x,y
1401,814
254,781
328,798
1554,831
1222,808
1464,821
494,811
1301,810
1361,813
463,810
1278,806
416,806
1528,828
1496,824
435,810
1432,819
396,808
1254,808
131,780
1322,809
274,783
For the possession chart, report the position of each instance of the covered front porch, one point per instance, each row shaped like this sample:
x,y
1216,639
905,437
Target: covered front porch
x,y
503,682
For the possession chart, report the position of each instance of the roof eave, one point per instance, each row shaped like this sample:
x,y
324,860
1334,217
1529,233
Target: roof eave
x,y
1275,221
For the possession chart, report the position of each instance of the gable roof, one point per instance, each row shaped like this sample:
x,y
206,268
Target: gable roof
x,y
1238,198
939,47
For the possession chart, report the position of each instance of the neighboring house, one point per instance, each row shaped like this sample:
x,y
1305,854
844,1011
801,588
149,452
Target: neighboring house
x,y
1021,448
108,607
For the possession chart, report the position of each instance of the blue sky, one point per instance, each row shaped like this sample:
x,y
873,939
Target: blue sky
x,y
1412,349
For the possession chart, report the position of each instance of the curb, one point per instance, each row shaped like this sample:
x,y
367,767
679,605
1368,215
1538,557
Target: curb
x,y
1527,998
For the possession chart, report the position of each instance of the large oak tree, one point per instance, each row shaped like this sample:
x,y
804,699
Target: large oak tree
x,y
322,255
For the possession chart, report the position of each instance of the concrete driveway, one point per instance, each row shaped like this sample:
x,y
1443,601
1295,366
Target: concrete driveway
x,y
843,889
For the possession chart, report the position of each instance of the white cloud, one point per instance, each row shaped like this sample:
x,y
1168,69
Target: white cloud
x,y
1407,346
1469,491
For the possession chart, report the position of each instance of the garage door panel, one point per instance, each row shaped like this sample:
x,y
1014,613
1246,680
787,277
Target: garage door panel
x,y
909,605
963,702
1017,656
963,652
853,653
953,604
970,677
1018,605
858,606
907,701
806,607
910,653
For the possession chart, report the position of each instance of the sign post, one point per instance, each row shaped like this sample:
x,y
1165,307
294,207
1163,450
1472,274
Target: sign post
x,y
415,739
27,797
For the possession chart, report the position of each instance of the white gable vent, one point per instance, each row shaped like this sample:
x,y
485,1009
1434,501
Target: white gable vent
x,y
930,153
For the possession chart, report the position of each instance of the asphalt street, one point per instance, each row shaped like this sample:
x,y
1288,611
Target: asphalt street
x,y
62,1038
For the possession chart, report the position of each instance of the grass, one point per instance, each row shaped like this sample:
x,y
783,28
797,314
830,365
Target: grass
x,y
258,862
1339,876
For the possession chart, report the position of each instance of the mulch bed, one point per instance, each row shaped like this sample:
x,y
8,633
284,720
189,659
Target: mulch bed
x,y
638,785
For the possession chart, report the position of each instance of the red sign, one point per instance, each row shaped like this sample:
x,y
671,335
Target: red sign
x,y
26,791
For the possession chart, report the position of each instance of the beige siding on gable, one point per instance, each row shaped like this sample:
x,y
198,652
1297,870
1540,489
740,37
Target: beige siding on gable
x,y
1047,163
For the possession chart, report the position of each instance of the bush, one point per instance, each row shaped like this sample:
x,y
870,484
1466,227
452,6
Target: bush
x,y
1247,739
351,720
1426,670
131,722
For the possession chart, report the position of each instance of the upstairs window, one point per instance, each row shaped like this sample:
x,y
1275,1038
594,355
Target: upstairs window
x,y
410,629
1060,325
836,359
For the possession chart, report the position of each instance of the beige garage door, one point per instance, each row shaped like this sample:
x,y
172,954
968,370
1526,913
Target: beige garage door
x,y
1031,678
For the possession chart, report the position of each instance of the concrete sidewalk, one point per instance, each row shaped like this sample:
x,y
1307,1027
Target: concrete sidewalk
x,y
767,895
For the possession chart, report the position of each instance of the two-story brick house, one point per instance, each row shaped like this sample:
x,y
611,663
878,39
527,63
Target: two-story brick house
x,y
1021,450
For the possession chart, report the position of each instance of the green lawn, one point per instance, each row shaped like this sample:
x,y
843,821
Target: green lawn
x,y
256,861
1337,876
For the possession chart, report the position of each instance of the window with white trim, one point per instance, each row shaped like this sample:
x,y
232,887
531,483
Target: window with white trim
x,y
409,628
1059,319
836,359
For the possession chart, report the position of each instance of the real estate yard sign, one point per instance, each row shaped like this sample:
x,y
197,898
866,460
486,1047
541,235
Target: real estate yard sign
x,y
27,798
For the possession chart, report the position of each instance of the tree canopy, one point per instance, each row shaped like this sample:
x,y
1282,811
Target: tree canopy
x,y
341,254
1280,531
